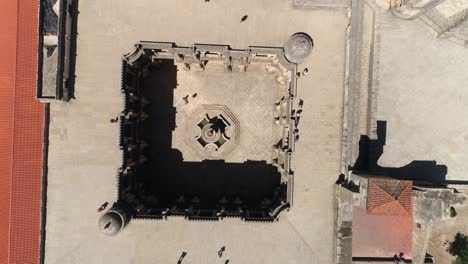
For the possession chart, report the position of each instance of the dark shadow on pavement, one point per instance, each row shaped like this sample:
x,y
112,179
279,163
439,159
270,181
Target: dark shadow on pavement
x,y
167,181
423,172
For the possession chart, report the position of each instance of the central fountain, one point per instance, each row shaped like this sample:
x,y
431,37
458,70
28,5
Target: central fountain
x,y
214,131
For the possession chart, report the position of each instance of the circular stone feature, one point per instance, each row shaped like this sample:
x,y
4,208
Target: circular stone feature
x,y
298,47
210,133
111,223
213,131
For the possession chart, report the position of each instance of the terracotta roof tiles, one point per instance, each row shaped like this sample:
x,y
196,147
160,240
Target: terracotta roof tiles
x,y
385,228
21,134
389,197
376,236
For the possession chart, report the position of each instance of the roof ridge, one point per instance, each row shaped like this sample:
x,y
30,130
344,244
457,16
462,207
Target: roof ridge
x,y
385,191
384,194
400,212
400,198
392,186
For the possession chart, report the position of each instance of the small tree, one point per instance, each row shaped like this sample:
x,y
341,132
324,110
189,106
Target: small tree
x,y
453,212
459,248
462,258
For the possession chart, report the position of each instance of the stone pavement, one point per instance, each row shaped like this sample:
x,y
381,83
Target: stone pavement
x,y
250,96
84,153
416,84
445,231
423,97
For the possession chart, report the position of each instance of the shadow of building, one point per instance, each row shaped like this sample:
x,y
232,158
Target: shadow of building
x,y
422,172
166,184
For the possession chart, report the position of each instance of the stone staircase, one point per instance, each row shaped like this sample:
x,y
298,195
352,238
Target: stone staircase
x,y
443,18
459,34
320,4
411,9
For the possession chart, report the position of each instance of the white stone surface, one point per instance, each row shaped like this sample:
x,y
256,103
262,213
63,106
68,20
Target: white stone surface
x,y
250,96
84,153
423,98
449,8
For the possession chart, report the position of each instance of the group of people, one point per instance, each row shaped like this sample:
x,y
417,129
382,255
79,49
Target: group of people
x,y
102,208
186,97
304,72
296,115
220,254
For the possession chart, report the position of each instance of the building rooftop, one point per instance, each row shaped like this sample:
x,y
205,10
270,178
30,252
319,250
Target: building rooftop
x,y
384,228
21,134
381,236
389,197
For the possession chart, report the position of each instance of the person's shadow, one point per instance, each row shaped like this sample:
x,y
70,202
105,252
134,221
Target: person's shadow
x,y
182,257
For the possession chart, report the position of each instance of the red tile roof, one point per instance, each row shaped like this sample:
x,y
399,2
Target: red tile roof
x,y
389,197
21,134
376,236
7,91
385,228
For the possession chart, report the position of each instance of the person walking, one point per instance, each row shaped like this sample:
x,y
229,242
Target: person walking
x,y
182,257
103,207
300,103
298,113
221,251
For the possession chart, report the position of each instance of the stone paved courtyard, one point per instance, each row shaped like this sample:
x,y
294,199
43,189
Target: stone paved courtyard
x,y
249,95
84,153
425,106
